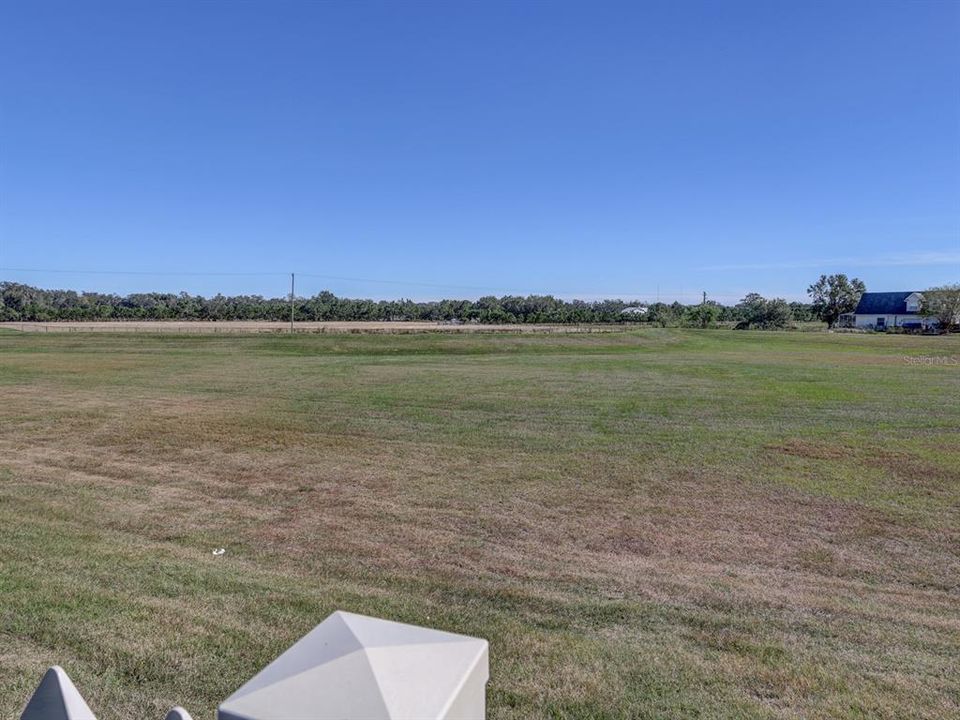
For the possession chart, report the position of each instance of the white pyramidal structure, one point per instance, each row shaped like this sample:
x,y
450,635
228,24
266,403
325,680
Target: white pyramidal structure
x,y
56,698
352,666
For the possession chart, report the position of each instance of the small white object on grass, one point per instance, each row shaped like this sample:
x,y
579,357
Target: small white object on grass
x,y
56,698
219,551
178,713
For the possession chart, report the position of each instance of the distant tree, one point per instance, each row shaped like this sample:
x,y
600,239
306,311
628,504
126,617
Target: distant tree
x,y
834,295
759,313
942,303
704,315
663,315
751,311
802,312
778,314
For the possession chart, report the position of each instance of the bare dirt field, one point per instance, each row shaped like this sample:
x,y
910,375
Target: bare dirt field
x,y
255,326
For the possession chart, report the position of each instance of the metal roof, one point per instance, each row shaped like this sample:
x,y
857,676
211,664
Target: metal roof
x,y
884,303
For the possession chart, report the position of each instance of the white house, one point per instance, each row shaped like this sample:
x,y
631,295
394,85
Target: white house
x,y
881,310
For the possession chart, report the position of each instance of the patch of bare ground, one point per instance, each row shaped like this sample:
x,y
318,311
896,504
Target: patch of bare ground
x,y
306,511
806,449
897,462
201,327
909,467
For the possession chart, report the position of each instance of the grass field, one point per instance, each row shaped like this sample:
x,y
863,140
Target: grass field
x,y
652,524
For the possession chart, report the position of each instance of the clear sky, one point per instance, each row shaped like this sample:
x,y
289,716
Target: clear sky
x,y
459,149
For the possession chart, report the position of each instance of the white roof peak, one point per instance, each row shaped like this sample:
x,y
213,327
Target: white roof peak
x,y
358,666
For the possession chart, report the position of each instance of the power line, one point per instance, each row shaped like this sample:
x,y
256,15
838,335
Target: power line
x,y
404,282
189,273
165,273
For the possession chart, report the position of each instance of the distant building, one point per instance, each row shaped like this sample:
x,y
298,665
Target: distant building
x,y
634,311
882,310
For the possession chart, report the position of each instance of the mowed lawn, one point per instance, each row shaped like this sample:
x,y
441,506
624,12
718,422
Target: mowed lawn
x,y
663,523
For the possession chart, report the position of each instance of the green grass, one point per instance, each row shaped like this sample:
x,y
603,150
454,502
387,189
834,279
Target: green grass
x,y
663,523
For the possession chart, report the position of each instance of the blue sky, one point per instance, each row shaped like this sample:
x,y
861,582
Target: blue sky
x,y
459,149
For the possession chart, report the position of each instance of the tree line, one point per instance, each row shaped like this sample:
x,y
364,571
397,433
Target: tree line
x,y
19,302
832,296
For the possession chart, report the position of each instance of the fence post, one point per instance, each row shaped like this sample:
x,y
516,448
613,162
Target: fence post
x,y
350,667
56,698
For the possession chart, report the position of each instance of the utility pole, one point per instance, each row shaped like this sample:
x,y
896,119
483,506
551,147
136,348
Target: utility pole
x,y
292,280
704,297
